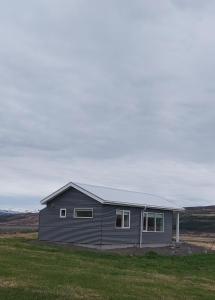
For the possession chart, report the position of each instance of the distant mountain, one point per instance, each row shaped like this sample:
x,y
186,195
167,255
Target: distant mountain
x,y
8,212
18,222
201,209
198,219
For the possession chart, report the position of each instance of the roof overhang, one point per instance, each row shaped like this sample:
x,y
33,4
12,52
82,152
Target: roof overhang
x,y
66,187
100,200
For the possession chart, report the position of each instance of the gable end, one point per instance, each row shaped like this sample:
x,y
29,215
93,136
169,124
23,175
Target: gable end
x,y
65,188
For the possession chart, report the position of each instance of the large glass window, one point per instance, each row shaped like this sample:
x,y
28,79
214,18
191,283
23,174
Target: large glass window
x,y
122,218
153,222
84,213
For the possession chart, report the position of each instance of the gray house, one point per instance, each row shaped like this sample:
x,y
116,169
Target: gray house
x,y
97,216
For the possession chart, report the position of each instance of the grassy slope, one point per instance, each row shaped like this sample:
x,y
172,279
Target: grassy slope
x,y
198,219
197,223
23,222
32,271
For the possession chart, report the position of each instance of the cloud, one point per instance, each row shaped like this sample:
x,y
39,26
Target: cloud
x,y
117,93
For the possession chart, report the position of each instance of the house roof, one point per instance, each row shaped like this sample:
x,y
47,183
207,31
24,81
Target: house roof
x,y
107,195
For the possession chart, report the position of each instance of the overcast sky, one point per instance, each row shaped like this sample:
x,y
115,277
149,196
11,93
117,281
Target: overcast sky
x,y
116,93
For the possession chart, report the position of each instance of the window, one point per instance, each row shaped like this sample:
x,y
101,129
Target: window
x,y
63,213
84,213
159,222
122,218
153,222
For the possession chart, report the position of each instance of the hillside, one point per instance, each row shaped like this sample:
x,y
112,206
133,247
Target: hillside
x,y
19,222
198,219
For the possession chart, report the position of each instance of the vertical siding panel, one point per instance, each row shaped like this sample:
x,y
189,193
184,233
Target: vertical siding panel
x,y
70,229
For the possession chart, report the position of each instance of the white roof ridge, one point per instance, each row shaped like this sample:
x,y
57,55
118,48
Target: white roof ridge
x,y
108,195
120,189
124,190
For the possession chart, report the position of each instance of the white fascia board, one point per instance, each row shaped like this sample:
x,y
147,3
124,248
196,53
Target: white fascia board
x,y
66,187
143,206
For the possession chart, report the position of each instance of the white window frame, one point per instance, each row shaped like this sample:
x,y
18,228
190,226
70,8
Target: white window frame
x,y
123,213
61,216
82,209
145,215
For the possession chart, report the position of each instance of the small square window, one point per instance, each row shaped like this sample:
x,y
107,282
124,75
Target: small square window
x,y
63,213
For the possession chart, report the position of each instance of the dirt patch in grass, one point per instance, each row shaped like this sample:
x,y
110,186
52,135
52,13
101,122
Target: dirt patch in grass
x,y
150,278
8,283
204,240
29,235
11,283
78,292
208,286
183,249
180,250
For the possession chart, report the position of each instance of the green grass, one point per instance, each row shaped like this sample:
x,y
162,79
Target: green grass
x,y
34,271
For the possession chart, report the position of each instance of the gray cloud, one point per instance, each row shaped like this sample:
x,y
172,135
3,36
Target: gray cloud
x,y
117,93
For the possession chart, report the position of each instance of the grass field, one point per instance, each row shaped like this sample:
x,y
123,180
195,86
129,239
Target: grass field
x,y
33,271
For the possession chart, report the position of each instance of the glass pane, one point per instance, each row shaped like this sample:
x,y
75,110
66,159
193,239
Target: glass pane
x,y
151,222
84,213
159,222
144,221
126,219
151,215
119,219
63,213
159,215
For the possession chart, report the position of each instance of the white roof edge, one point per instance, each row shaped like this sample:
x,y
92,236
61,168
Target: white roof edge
x,y
143,205
65,187
76,186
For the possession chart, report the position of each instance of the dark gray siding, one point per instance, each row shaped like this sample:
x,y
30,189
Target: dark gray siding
x,y
160,237
113,235
98,230
70,229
